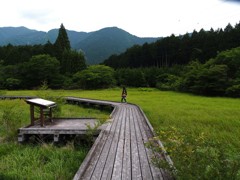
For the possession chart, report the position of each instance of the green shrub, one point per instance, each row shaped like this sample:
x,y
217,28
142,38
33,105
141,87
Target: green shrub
x,y
233,91
168,82
196,156
95,77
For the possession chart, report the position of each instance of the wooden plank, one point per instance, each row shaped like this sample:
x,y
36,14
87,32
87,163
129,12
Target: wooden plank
x,y
95,172
118,164
91,101
17,97
126,169
145,165
108,169
156,173
136,166
92,155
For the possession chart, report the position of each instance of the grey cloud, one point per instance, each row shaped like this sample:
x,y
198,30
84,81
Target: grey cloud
x,y
236,1
39,16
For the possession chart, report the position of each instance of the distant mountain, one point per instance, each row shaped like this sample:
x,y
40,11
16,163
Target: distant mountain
x,y
97,45
21,36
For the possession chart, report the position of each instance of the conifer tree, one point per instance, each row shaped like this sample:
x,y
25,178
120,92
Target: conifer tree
x,y
62,42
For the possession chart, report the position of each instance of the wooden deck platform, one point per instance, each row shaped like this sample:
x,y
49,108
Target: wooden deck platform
x,y
57,128
119,152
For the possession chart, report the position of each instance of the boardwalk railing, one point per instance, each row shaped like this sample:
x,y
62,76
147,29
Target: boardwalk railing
x,y
16,97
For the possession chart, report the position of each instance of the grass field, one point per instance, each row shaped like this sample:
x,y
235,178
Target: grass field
x,y
41,160
215,117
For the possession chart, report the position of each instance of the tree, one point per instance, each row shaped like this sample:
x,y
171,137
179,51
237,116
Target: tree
x,y
231,58
12,83
40,68
172,50
212,80
62,42
94,77
72,62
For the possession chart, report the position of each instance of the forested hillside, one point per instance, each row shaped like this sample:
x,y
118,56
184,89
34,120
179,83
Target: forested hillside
x,y
178,50
204,62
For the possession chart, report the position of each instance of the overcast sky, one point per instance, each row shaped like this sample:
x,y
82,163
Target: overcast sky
x,y
143,18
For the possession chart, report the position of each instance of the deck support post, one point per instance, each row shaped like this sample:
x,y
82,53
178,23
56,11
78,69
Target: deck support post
x,y
41,117
32,114
21,137
56,137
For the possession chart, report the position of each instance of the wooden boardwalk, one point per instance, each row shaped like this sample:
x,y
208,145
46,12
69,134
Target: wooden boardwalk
x,y
119,152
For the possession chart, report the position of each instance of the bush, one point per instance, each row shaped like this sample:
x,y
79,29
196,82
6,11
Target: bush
x,y
12,83
207,79
131,77
38,69
95,77
168,82
233,91
195,156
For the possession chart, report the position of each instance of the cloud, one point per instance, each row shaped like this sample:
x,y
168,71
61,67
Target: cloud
x,y
39,16
140,17
236,1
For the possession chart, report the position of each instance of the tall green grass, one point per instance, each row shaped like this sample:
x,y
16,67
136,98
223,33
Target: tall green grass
x,y
39,161
218,118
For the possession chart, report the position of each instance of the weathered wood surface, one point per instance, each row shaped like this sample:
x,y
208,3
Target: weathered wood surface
x,y
60,126
120,152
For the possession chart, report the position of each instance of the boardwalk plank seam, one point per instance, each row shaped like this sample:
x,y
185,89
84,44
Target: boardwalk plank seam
x,y
145,165
107,173
100,160
136,167
155,171
126,165
117,169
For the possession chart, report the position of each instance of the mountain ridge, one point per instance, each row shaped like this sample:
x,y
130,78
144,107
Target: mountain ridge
x,y
96,45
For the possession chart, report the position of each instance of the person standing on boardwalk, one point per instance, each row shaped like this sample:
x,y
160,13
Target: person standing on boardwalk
x,y
124,95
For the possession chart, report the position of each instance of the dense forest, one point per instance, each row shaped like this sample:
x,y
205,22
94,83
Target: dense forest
x,y
179,50
204,62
